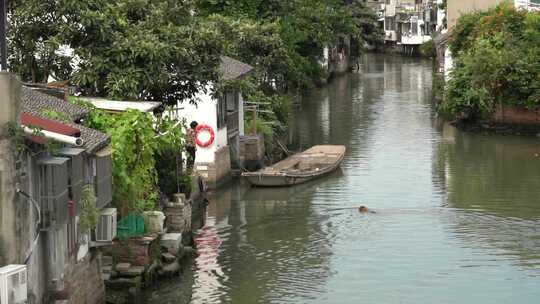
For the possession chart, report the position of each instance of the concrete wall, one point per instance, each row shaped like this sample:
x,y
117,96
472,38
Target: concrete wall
x,y
19,242
456,8
10,248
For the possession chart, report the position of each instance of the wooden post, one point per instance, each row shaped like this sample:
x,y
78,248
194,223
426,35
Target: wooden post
x,y
254,122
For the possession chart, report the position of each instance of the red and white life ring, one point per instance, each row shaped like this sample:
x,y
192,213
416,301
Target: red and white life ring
x,y
204,128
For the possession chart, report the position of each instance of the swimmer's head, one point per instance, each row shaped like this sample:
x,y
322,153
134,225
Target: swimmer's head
x,y
363,209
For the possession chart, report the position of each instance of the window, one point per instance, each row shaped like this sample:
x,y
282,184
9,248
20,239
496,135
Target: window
x,y
232,101
75,175
414,28
53,190
221,112
103,177
389,24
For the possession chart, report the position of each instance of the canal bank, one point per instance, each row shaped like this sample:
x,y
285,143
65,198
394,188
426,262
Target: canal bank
x,y
457,213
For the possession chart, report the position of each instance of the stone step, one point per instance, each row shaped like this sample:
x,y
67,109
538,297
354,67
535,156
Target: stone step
x,y
133,271
123,283
106,260
106,269
120,267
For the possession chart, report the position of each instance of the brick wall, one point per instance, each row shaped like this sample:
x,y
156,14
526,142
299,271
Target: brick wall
x,y
516,115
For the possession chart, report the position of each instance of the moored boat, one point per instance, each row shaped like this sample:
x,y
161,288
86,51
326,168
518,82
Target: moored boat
x,y
299,168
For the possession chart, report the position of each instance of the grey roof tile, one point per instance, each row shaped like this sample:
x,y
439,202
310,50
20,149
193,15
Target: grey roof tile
x,y
232,68
35,102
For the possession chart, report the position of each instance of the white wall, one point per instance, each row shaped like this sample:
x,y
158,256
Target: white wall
x,y
441,14
448,63
204,112
325,58
241,114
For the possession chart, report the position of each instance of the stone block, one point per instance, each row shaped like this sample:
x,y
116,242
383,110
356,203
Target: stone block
x,y
180,198
106,269
124,283
121,267
153,221
132,271
172,242
168,257
106,260
170,269
105,276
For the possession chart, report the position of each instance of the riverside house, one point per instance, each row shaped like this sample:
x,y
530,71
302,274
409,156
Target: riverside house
x,y
224,117
456,9
51,258
410,23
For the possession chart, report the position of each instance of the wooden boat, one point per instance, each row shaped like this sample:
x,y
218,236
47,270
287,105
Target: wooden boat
x,y
299,168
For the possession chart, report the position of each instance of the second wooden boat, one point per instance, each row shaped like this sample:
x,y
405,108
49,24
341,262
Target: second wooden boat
x,y
299,168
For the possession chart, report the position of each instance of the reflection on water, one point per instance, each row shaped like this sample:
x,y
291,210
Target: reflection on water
x,y
458,214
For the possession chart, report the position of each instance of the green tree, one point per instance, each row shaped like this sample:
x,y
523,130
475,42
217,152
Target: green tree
x,y
34,35
134,49
496,61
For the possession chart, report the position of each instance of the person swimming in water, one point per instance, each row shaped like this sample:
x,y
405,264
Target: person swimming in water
x,y
364,209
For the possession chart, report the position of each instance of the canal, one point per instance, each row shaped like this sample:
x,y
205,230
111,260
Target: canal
x,y
457,214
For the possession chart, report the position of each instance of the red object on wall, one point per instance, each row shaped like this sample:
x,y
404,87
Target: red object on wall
x,y
71,208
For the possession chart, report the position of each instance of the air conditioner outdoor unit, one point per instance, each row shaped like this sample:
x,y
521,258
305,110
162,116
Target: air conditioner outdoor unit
x,y
106,228
13,287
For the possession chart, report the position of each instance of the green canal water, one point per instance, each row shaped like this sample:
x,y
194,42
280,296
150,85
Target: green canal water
x,y
458,214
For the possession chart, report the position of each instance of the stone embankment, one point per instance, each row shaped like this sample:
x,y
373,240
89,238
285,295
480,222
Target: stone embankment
x,y
133,264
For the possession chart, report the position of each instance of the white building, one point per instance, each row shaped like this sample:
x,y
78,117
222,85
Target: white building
x,y
410,23
225,117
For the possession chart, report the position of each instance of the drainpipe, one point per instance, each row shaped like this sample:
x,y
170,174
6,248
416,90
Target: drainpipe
x,y
74,141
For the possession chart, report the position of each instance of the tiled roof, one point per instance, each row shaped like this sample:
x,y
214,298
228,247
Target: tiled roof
x,y
232,68
94,140
34,103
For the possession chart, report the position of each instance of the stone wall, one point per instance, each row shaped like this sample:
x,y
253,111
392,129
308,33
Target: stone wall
x,y
178,215
217,172
252,151
516,115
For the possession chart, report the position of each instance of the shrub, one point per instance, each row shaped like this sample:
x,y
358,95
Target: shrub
x,y
427,49
496,61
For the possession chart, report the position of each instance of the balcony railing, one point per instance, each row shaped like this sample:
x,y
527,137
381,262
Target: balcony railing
x,y
233,124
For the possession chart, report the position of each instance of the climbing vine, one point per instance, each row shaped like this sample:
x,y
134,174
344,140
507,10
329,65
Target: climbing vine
x,y
89,210
137,139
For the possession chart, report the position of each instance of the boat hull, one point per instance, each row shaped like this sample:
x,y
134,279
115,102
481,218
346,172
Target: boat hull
x,y
322,159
